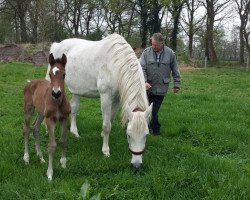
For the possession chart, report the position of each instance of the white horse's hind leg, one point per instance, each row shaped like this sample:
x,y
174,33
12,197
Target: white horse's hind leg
x,y
74,106
106,124
36,133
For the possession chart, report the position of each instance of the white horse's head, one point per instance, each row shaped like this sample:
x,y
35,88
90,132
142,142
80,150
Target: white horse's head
x,y
137,130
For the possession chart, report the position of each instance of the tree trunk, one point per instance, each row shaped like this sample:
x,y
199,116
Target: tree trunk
x,y
144,18
190,44
21,11
209,49
174,34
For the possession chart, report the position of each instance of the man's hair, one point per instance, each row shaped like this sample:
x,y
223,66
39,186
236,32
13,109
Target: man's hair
x,y
158,37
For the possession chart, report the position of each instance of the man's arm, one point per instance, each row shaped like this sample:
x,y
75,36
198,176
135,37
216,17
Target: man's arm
x,y
175,74
144,65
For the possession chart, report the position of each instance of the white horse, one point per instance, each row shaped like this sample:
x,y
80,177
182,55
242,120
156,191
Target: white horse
x,y
110,69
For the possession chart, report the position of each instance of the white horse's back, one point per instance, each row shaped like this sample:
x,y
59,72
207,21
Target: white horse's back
x,y
87,62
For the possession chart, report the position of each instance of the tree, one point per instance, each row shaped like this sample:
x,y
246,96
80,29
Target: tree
x,y
191,23
18,9
243,9
175,8
143,12
213,8
247,36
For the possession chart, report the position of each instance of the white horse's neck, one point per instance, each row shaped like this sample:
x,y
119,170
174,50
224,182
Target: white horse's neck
x,y
130,76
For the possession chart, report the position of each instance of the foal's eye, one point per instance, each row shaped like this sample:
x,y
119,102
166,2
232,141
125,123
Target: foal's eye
x,y
63,75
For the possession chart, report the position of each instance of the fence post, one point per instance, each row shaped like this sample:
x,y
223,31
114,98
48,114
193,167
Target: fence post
x,y
205,62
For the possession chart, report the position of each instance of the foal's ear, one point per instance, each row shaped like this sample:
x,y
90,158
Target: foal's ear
x,y
129,112
51,59
64,59
148,112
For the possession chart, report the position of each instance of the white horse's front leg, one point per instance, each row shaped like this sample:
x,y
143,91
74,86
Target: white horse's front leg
x,y
106,124
74,106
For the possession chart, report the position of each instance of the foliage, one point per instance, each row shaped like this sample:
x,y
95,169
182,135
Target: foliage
x,y
202,153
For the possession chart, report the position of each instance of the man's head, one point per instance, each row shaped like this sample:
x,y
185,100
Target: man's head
x,y
157,41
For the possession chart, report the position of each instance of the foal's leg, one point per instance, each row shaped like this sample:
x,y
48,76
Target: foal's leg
x,y
106,122
51,146
28,109
26,129
74,106
64,129
36,132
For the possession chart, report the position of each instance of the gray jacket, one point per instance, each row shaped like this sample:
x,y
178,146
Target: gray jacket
x,y
157,74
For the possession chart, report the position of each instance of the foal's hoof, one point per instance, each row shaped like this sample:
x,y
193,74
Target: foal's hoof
x,y
106,154
42,160
49,175
75,133
26,158
49,178
63,162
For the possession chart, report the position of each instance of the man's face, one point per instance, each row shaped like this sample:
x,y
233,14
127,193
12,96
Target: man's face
x,y
157,46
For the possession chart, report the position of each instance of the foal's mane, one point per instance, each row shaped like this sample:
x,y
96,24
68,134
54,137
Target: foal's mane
x,y
130,78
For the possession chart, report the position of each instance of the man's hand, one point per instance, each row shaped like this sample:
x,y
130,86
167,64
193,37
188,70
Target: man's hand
x,y
176,89
148,86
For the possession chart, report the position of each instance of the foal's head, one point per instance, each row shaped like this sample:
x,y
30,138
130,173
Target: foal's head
x,y
57,74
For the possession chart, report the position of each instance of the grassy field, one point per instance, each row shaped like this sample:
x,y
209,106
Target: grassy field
x,y
203,151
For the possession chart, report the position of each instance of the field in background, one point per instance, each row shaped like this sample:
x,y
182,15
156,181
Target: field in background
x,y
203,151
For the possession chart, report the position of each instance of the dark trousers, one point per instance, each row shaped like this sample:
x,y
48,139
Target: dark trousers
x,y
157,101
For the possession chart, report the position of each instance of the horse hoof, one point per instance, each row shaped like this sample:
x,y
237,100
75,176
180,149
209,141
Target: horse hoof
x,y
106,154
26,158
63,162
49,175
42,160
75,133
49,178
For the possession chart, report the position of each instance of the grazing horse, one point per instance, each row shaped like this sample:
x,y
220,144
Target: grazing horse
x,y
50,102
110,69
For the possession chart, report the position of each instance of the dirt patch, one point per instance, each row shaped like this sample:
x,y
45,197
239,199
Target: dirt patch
x,y
12,52
38,58
28,53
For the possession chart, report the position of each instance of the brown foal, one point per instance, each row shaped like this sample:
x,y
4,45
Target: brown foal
x,y
51,104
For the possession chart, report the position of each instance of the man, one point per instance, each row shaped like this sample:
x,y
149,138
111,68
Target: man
x,y
158,61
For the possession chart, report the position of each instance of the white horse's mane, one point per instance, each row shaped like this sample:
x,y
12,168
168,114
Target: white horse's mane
x,y
130,78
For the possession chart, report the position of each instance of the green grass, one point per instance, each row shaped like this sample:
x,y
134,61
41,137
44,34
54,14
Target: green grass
x,y
203,151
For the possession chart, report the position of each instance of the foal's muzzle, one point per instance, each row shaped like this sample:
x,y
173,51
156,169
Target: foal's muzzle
x,y
56,94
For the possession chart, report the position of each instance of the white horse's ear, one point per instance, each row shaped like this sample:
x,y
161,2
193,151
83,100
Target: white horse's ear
x,y
129,112
148,112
